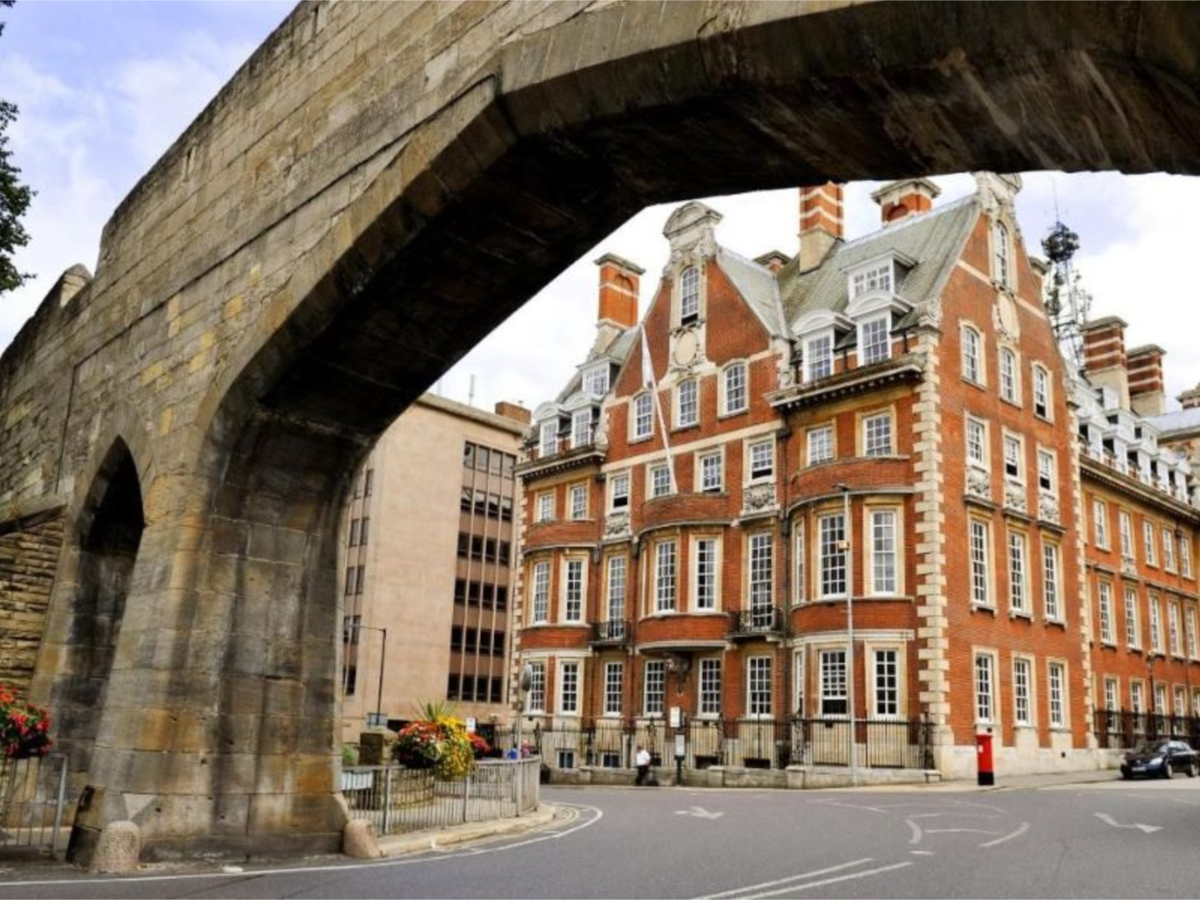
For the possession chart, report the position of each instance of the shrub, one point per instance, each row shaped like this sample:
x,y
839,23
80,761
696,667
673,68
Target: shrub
x,y
24,728
438,740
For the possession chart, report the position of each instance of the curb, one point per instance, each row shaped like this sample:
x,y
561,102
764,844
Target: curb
x,y
438,838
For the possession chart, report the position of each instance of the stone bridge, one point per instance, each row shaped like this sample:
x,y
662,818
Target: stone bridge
x,y
377,188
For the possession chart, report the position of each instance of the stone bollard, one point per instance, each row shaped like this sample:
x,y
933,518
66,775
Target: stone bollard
x,y
117,849
359,840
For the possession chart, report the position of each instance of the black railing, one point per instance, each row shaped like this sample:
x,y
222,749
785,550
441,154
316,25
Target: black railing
x,y
755,743
561,445
1121,729
756,620
612,631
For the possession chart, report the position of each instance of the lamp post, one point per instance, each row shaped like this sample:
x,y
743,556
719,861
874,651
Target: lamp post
x,y
1152,725
378,718
848,549
524,683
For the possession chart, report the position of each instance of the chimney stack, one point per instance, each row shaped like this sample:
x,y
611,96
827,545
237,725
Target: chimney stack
x,y
1190,399
1104,355
821,222
1147,388
618,307
907,197
514,411
773,260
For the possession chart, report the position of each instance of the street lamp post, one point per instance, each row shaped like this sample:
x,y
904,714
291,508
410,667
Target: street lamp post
x,y
848,548
1152,725
382,659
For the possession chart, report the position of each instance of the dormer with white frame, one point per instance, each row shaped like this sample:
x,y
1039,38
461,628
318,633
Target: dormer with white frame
x,y
874,305
818,334
548,422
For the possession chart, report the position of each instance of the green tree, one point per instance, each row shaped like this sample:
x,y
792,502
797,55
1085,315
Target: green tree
x,y
14,200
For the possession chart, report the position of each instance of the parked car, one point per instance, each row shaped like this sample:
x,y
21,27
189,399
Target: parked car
x,y
1161,759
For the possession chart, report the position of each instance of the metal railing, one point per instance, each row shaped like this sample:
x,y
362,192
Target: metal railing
x,y
612,631
1122,729
33,794
395,799
759,743
756,620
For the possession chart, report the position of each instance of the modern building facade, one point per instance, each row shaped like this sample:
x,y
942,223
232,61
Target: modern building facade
x,y
430,541
844,483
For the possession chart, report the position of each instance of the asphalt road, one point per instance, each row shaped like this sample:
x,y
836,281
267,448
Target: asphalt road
x,y
1110,839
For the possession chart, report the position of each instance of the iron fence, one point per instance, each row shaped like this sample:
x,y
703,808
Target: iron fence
x,y
396,799
1121,729
756,743
33,793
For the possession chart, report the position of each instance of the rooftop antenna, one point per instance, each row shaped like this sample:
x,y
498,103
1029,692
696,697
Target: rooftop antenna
x,y
1067,303
471,392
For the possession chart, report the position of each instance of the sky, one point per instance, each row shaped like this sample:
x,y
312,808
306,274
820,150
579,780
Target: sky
x,y
105,88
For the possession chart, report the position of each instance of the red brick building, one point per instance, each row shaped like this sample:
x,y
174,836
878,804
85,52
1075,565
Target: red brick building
x,y
884,426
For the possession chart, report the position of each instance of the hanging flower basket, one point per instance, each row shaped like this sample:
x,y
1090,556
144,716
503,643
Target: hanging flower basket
x,y
24,728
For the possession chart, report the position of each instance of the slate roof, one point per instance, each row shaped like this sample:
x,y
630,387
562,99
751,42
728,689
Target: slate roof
x,y
758,287
618,351
1179,420
934,239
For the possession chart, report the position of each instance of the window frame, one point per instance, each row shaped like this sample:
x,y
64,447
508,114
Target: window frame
x,y
981,553
759,706
1100,523
1043,386
727,374
1168,551
567,605
659,683
1133,622
984,460
565,665
708,693
826,686
1125,532
1001,255
695,599
578,509
1052,596
1017,545
865,422
703,458
823,337
829,434
639,417
1010,440
824,575
610,667
545,506
615,479
760,584
971,360
614,599
990,716
548,438
1149,543
879,698
1008,376
751,445
535,698
1049,456
692,404
1104,605
1029,719
666,582
538,593
689,295
799,586
871,575
655,488
1056,707
867,349
588,431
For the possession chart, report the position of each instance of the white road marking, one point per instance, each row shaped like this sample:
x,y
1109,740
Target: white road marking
x,y
778,881
1147,829
921,852
916,832
815,884
328,869
1008,837
699,812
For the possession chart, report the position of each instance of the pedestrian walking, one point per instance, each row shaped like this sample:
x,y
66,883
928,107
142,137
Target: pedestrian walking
x,y
642,759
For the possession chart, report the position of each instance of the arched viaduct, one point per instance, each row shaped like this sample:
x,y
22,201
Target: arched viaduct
x,y
378,187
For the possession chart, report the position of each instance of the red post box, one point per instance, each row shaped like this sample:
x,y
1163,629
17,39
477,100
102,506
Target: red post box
x,y
983,754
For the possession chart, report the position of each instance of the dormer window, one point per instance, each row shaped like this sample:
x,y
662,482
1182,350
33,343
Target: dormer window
x,y
818,356
581,428
689,295
595,381
548,438
877,278
874,340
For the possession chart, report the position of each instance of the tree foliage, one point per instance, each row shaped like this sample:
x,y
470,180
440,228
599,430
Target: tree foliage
x,y
14,199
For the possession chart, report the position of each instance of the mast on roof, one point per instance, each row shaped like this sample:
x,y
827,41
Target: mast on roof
x,y
1067,303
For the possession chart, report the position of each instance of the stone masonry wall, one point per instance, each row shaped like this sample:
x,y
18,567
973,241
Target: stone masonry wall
x,y
28,558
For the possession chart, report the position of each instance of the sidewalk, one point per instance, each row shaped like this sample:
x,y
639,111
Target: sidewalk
x,y
438,838
1007,783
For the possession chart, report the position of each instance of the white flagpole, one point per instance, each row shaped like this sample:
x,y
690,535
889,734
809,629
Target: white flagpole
x,y
649,382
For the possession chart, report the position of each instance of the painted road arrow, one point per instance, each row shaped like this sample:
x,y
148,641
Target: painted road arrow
x,y
699,812
1148,829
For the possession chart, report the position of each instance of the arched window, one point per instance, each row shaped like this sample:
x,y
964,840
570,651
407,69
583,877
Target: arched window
x,y
733,389
689,295
1008,375
1000,239
1041,392
972,362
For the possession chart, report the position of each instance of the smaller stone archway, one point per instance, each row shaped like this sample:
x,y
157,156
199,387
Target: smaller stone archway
x,y
108,534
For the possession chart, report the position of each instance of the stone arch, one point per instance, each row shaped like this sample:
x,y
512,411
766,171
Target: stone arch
x,y
547,145
102,552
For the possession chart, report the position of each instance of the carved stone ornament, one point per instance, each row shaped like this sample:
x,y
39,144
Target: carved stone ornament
x,y
1129,567
1014,497
758,497
787,376
616,524
1048,508
931,313
979,484
1004,317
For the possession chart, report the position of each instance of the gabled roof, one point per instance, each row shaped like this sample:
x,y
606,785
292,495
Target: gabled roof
x,y
934,239
758,287
617,351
